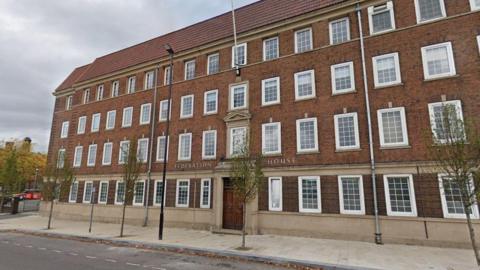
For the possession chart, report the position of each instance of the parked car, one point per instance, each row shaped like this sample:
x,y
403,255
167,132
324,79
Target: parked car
x,y
29,194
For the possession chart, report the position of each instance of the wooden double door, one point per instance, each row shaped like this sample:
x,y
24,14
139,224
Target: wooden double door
x,y
232,207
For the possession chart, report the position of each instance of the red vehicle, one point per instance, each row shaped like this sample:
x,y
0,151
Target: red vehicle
x,y
29,194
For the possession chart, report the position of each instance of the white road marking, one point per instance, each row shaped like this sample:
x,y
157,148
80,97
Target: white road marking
x,y
133,264
110,260
57,251
73,254
6,242
41,248
17,244
158,268
29,246
90,257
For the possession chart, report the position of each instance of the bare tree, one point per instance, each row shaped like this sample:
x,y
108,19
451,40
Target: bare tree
x,y
131,171
247,177
57,183
456,152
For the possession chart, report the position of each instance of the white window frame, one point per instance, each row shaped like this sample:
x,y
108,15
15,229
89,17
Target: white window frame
x,y
335,91
180,158
458,109
100,192
160,158
478,43
91,146
296,75
331,32
279,134
411,190
147,76
81,129
145,158
371,12
360,189
69,103
104,157
231,98
474,6
205,112
264,48
245,58
202,189
398,72
127,122
319,195
164,103
205,157
451,61
208,63
115,88
188,193
187,63
337,131
166,75
100,90
182,116
264,82
108,125
419,17
84,200
135,195
404,127
116,202
65,129
77,158
86,96
131,85
155,193
93,128
474,208
315,149
142,108
309,29
74,184
120,162
270,204
61,158
230,139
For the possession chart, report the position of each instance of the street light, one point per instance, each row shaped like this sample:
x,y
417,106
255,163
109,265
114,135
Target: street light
x,y
170,52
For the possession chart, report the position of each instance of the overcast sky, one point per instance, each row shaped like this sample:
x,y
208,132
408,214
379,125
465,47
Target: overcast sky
x,y
41,42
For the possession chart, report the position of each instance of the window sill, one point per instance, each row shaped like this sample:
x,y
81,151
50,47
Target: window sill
x,y
270,104
348,150
304,99
308,152
382,32
441,78
395,147
210,113
388,86
339,93
186,117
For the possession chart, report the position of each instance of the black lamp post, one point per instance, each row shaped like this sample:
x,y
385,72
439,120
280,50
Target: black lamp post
x,y
170,51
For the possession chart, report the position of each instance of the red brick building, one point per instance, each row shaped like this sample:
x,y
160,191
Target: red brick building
x,y
301,96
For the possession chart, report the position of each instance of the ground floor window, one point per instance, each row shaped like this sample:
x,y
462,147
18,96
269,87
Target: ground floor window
x,y
87,192
309,194
72,197
205,193
182,196
158,193
400,195
275,194
120,192
452,203
351,194
103,192
138,193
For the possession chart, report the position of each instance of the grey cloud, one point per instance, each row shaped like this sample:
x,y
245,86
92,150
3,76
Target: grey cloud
x,y
41,42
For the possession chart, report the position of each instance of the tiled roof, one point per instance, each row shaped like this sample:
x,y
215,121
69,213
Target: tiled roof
x,y
248,18
73,77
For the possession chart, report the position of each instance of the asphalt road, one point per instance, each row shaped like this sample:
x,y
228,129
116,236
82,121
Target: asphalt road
x,y
19,251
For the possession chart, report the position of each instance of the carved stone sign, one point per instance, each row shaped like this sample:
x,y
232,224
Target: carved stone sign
x,y
193,165
280,161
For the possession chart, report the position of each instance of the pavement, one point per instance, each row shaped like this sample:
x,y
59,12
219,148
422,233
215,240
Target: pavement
x,y
283,250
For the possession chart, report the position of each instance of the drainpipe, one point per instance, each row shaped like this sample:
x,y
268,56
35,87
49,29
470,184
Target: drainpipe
x,y
378,234
150,145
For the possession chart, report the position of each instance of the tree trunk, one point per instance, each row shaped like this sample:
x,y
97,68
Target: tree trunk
x,y
50,215
2,200
123,218
472,235
244,224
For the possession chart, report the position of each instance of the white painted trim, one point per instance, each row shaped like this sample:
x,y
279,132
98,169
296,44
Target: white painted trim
x,y
208,63
160,158
314,119
84,193
372,11
100,192
451,61
431,106
205,157
131,84
312,81
74,183
135,196
264,82
230,134
65,129
182,116
475,214
99,117
360,189
142,108
404,127
337,134
90,149
81,129
279,135
205,112
270,207
300,199
245,57
418,15
164,103
116,193
202,189
148,75
231,96
185,68
105,163
188,193
333,79
309,29
78,157
120,151
143,159
331,32
127,122
264,47
189,135
108,125
155,193
398,73
411,190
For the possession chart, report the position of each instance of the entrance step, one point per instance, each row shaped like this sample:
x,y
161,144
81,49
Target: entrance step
x,y
227,231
